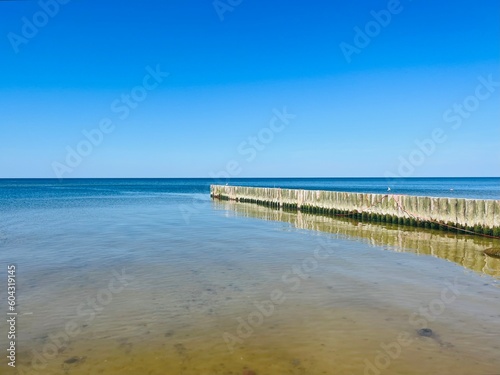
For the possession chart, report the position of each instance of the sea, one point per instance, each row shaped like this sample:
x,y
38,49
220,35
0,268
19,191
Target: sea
x,y
152,276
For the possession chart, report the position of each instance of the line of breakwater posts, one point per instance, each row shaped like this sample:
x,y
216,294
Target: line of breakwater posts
x,y
478,216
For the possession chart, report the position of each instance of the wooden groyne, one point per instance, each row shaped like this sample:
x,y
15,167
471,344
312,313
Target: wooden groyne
x,y
454,214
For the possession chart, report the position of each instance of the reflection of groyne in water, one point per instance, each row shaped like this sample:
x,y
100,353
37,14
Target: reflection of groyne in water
x,y
465,250
473,215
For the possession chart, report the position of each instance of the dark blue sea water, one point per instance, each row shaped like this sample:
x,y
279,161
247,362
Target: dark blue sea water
x,y
197,268
477,188
39,192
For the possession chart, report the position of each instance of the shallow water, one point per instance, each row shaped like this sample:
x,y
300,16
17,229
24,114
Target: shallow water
x,y
462,248
190,271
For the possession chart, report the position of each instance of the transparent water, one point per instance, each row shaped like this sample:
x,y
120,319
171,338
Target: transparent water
x,y
152,277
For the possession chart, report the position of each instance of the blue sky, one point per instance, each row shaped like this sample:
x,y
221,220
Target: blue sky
x,y
232,65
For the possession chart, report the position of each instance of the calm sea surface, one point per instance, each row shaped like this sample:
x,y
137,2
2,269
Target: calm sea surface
x,y
150,276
